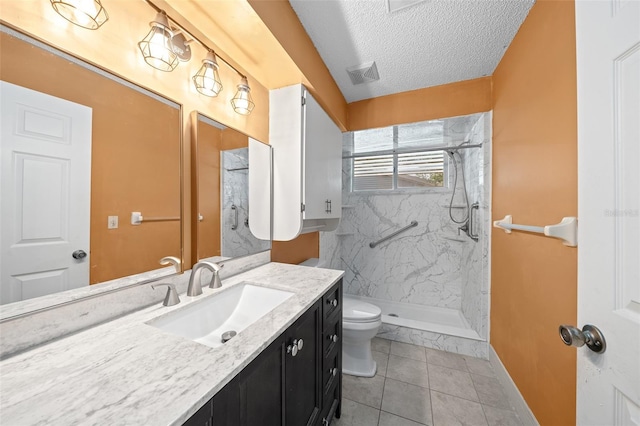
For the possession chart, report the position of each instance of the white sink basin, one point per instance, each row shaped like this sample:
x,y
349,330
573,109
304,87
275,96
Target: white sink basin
x,y
231,310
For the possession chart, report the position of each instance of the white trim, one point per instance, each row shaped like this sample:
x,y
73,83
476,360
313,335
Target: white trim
x,y
515,397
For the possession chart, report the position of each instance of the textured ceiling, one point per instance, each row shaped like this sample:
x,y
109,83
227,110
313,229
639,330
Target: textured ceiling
x,y
428,44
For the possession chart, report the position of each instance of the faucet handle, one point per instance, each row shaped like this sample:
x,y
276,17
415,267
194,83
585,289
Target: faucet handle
x,y
215,280
172,297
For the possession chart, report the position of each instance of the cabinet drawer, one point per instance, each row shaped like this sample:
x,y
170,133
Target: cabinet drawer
x,y
332,335
331,372
332,300
328,412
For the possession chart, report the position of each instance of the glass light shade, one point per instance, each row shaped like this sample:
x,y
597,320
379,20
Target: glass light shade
x,y
242,102
207,80
156,46
88,14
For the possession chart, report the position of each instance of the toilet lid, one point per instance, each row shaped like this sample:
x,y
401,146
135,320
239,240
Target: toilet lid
x,y
354,310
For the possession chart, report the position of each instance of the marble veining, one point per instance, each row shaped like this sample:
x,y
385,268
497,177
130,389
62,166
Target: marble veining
x,y
120,297
235,184
429,265
128,372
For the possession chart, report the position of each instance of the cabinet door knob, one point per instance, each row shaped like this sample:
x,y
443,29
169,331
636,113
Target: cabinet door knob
x,y
292,349
333,338
333,371
295,347
333,302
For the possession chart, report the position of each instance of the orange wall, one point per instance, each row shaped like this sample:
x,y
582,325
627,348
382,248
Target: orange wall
x,y
448,100
295,251
534,279
206,168
126,126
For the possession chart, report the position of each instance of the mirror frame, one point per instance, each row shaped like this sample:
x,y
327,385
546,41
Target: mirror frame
x,y
195,174
27,307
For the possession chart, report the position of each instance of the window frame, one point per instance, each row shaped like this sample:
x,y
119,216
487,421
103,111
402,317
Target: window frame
x,y
395,152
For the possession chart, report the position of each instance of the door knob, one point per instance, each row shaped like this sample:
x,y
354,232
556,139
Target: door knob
x,y
79,254
589,335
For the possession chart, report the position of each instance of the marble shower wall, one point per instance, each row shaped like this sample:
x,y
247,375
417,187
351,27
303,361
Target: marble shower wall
x,y
235,184
476,275
429,264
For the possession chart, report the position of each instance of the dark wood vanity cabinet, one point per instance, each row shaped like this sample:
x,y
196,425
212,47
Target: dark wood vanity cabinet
x,y
296,381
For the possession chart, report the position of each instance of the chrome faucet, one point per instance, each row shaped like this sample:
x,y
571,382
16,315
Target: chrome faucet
x,y
195,287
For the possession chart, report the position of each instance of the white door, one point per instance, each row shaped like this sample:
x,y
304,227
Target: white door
x,y
608,60
45,167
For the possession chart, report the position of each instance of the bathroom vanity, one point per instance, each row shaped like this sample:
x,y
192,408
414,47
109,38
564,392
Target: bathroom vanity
x,y
284,368
295,381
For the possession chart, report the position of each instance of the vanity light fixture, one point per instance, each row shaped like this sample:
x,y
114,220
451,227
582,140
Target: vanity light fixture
x,y
88,14
242,102
156,46
162,50
207,80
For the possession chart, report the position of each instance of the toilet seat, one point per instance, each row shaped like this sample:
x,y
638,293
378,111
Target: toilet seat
x,y
356,311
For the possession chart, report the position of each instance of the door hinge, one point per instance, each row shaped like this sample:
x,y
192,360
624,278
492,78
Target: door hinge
x,y
302,207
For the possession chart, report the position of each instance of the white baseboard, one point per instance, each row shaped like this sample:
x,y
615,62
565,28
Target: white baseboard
x,y
514,395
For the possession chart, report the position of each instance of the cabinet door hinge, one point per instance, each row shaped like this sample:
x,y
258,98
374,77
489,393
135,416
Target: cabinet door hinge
x,y
302,207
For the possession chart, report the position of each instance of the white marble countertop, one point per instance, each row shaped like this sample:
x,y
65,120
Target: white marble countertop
x,y
128,372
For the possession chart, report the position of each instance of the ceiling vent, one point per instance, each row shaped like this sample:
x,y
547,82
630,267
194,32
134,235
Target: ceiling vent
x,y
363,73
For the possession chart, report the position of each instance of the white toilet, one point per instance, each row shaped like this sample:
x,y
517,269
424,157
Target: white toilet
x,y
360,324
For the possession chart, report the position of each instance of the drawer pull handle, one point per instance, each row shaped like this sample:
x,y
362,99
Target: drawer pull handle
x,y
333,302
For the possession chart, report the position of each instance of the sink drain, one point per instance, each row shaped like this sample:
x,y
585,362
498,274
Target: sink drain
x,y
228,335
393,315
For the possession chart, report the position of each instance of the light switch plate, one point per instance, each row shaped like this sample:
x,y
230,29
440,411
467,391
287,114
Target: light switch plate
x,y
112,222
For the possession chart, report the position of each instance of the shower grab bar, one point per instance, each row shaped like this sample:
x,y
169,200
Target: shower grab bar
x,y
235,220
472,223
566,230
411,225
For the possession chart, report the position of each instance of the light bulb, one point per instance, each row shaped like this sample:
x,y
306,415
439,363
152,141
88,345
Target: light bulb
x,y
85,13
207,80
156,46
242,102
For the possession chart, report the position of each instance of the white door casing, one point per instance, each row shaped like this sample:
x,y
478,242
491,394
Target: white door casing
x,y
45,166
608,67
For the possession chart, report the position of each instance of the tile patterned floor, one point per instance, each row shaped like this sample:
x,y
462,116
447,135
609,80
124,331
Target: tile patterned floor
x,y
417,386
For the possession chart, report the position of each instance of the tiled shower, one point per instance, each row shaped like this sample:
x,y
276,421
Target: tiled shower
x,y
237,239
433,271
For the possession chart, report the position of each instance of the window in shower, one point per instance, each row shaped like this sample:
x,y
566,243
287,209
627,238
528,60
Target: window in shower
x,y
398,157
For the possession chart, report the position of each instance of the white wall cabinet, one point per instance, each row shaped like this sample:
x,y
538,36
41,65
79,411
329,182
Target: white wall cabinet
x,y
307,164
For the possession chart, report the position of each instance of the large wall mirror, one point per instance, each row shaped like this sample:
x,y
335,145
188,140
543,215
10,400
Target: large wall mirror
x,y
221,163
81,151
